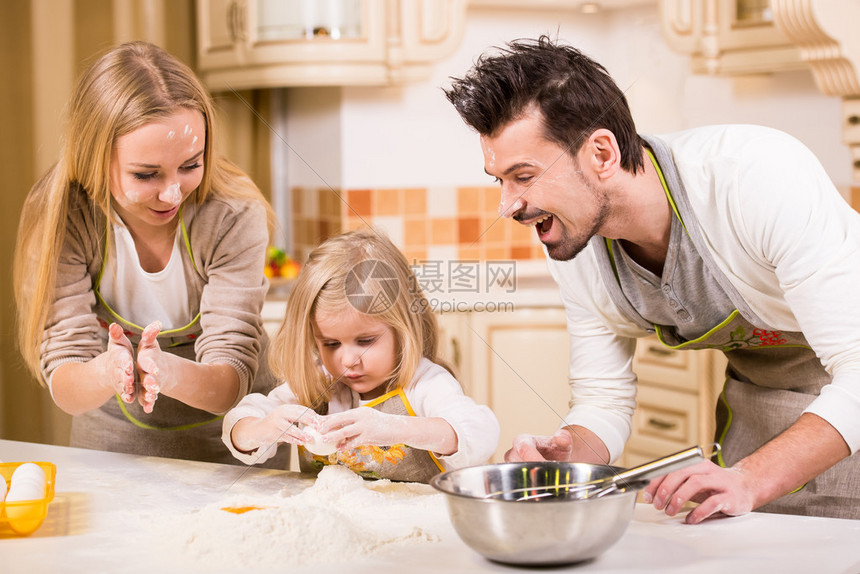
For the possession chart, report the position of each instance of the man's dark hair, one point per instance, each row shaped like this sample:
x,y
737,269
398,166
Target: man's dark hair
x,y
574,94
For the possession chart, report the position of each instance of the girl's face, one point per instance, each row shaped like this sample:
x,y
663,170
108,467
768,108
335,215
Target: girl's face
x,y
356,349
155,167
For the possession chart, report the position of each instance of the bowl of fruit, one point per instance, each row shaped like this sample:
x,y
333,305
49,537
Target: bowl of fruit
x,y
281,269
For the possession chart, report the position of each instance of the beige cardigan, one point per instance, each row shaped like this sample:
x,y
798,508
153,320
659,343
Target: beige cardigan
x,y
228,239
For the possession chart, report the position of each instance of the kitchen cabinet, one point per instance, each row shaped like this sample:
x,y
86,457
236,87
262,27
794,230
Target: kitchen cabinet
x,y
245,44
763,36
517,363
675,400
737,37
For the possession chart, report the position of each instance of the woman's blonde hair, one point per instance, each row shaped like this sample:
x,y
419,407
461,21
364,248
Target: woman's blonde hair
x,y
364,271
132,85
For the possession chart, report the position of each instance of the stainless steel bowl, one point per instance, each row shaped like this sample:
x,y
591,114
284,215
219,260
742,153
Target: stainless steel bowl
x,y
485,506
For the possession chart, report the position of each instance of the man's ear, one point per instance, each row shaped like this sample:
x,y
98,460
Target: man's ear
x,y
603,153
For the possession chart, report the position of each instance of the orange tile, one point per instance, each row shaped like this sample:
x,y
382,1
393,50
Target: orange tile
x,y
469,253
537,252
328,201
497,253
415,255
353,223
520,233
359,202
296,192
443,231
492,197
521,252
415,232
387,202
468,230
494,230
469,200
415,201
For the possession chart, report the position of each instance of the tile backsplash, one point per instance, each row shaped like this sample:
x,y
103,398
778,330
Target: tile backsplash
x,y
428,224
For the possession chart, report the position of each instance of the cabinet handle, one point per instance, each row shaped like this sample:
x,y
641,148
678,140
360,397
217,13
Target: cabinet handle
x,y
857,164
232,11
661,424
660,351
240,20
236,20
854,119
455,352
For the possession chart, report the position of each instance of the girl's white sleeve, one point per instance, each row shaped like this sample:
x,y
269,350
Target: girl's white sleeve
x,y
255,405
437,393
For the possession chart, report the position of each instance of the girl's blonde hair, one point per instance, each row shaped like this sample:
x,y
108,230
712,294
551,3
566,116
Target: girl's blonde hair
x,y
360,270
132,85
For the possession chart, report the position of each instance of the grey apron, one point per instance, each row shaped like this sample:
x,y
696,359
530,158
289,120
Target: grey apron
x,y
397,462
173,429
771,377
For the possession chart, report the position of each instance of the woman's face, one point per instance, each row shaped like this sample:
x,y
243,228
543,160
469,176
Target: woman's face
x,y
155,167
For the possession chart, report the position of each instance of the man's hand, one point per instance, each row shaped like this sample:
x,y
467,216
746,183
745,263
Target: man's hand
x,y
716,489
528,447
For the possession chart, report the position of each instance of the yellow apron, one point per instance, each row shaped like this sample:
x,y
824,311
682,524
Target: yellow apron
x,y
397,462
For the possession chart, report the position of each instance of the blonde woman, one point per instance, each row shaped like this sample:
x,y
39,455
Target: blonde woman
x,y
139,265
358,333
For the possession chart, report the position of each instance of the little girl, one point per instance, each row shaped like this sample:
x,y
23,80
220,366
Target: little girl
x,y
358,333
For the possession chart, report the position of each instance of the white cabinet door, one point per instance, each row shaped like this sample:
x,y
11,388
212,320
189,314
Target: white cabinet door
x,y
453,346
520,370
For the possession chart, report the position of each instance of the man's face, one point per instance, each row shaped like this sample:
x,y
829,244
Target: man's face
x,y
543,186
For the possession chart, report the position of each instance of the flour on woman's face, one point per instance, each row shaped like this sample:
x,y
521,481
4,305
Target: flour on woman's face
x,y
155,167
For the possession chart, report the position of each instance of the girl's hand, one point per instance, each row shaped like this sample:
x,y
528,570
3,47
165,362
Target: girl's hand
x,y
364,426
280,425
155,375
120,375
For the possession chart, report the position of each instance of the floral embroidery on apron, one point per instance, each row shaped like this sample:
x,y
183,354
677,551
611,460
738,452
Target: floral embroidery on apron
x,y
397,462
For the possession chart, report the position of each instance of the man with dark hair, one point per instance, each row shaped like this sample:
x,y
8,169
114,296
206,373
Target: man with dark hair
x,y
721,237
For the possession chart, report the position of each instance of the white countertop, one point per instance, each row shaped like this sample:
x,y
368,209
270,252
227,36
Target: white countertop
x,y
105,502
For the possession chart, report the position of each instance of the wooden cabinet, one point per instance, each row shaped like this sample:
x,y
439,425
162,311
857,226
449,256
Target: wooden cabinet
x,y
244,44
516,363
728,37
675,400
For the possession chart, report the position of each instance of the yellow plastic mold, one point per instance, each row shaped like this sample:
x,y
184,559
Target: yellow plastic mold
x,y
26,516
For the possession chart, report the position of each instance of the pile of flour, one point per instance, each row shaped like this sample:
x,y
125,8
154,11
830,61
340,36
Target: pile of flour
x,y
341,516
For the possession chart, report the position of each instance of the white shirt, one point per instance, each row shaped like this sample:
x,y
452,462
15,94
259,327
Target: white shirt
x,y
785,239
141,297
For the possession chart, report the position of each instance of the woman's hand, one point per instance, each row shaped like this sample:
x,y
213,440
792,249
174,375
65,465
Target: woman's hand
x,y
280,425
120,364
153,367
716,489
